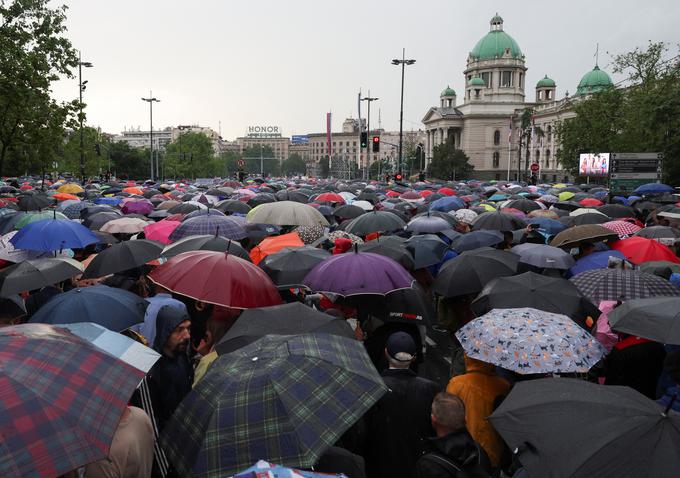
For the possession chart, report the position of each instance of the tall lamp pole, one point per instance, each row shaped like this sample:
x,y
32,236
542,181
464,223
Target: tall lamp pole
x,y
81,88
151,101
368,133
403,62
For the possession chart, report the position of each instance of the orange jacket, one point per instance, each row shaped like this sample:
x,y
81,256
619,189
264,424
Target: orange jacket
x,y
478,388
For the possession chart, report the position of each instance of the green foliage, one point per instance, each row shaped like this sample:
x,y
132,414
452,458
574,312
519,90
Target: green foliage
x,y
324,167
35,53
642,117
294,165
380,168
127,162
450,163
191,156
252,155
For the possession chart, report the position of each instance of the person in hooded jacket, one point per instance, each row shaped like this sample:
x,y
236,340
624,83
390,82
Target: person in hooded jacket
x,y
452,452
171,377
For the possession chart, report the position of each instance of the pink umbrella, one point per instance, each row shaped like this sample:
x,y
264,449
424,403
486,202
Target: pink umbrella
x,y
160,231
248,192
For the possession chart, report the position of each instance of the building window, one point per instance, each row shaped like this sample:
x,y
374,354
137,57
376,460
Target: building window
x,y
549,133
496,159
487,76
547,94
496,138
547,158
540,95
521,80
506,79
537,158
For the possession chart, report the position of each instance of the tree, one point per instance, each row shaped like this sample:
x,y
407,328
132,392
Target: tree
x,y
35,53
193,158
324,167
380,168
127,162
294,165
642,117
450,163
270,164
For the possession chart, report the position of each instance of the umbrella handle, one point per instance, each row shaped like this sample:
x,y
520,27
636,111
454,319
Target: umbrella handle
x,y
525,446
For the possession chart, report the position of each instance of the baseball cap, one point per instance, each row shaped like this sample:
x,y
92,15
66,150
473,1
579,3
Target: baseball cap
x,y
401,347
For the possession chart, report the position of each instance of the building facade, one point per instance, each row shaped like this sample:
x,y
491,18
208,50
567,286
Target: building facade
x,y
138,138
487,123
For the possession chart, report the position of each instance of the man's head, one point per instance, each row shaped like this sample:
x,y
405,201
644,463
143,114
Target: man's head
x,y
400,350
448,414
172,331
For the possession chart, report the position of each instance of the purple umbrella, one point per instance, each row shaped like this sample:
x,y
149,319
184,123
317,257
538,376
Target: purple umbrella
x,y
356,273
137,207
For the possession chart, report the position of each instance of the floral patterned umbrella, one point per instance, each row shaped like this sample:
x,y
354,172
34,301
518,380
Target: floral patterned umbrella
x,y
530,341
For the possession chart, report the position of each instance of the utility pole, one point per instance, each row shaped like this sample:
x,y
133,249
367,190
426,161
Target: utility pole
x,y
368,133
81,88
403,62
151,101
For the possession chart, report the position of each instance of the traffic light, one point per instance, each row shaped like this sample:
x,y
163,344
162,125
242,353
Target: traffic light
x,y
398,176
364,139
376,144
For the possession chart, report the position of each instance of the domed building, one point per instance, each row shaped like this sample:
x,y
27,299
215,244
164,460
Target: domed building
x,y
486,123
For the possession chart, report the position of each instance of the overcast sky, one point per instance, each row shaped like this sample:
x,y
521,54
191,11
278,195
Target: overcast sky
x,y
286,63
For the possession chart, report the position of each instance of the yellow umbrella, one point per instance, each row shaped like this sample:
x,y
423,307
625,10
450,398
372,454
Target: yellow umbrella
x,y
560,186
565,196
488,207
70,188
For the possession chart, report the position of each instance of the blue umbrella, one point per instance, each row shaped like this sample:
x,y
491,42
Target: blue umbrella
x,y
115,309
476,239
498,197
448,203
596,260
654,188
53,235
547,225
114,201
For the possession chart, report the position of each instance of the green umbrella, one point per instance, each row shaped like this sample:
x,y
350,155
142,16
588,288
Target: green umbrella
x,y
39,216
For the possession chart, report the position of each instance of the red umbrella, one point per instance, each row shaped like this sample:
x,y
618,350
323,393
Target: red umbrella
x,y
425,193
160,231
392,194
217,278
330,197
639,250
446,191
590,202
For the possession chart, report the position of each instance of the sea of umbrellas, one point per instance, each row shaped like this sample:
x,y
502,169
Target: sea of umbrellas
x,y
537,264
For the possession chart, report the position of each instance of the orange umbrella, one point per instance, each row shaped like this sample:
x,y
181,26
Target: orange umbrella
x,y
270,245
64,197
133,190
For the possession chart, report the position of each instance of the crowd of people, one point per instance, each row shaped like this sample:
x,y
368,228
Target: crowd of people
x,y
287,320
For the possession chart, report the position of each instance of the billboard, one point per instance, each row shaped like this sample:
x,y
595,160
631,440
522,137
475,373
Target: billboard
x,y
299,139
593,165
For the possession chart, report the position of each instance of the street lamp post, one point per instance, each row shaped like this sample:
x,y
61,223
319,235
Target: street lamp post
x,y
403,62
151,101
81,88
368,133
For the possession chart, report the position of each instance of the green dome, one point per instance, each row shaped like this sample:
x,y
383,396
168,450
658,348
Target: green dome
x,y
546,83
594,81
448,91
495,43
476,81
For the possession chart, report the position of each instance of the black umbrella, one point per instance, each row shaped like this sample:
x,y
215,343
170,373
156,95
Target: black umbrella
x,y
476,239
92,210
368,196
36,274
9,220
561,427
410,306
616,211
659,232
105,237
498,221
207,242
472,270
286,319
375,221
123,256
290,265
524,205
392,247
96,221
551,294
348,211
292,196
581,219
183,208
660,268
399,213
232,206
657,318
426,249
34,202
261,198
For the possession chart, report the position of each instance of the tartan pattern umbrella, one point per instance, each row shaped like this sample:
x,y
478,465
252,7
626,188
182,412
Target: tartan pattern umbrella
x,y
621,284
286,398
61,400
622,228
214,224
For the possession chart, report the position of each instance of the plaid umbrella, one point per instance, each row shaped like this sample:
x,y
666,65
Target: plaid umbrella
x,y
287,398
530,341
621,284
212,224
61,400
622,228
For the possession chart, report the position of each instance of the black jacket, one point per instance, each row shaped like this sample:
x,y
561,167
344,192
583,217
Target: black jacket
x,y
453,455
398,425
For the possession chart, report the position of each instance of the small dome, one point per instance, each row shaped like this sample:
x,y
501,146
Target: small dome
x,y
448,91
496,43
476,81
545,82
594,81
